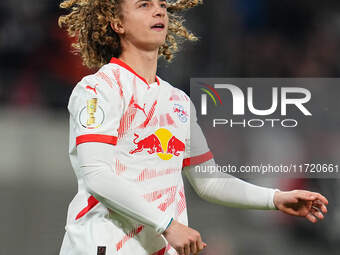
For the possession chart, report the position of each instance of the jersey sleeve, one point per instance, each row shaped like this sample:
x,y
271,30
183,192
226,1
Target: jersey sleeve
x,y
115,192
96,110
220,188
196,148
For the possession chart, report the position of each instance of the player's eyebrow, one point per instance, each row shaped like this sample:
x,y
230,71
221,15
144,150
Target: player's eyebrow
x,y
150,1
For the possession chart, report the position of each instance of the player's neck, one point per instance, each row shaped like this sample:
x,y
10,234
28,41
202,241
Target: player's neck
x,y
143,63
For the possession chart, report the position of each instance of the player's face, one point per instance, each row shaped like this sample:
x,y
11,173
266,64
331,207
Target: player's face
x,y
144,23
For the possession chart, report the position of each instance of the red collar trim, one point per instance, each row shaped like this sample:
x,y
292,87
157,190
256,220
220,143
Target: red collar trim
x,y
127,67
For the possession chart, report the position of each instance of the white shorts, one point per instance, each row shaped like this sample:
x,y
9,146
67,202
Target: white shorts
x,y
100,234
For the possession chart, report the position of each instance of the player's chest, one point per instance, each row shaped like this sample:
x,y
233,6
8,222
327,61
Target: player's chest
x,y
159,123
158,108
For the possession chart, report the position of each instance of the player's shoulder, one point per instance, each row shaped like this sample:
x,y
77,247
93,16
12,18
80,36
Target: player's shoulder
x,y
104,76
101,84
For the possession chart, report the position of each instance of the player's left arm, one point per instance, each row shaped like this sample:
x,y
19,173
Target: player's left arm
x,y
227,190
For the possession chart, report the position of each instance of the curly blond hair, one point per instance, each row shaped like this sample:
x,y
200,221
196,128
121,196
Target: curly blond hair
x,y
96,42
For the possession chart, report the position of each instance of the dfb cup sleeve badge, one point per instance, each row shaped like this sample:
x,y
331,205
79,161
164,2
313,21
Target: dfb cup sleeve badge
x,y
92,115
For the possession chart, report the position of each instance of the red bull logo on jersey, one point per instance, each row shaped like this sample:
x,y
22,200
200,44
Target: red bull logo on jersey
x,y
161,142
150,143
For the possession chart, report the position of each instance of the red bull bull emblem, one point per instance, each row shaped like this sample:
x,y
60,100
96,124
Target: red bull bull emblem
x,y
161,142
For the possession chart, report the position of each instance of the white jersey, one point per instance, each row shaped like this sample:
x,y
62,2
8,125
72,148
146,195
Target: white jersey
x,y
148,125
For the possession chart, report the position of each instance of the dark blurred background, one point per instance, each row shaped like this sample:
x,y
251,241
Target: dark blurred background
x,y
238,38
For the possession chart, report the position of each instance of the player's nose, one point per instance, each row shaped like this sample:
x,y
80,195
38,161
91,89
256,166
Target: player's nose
x,y
159,10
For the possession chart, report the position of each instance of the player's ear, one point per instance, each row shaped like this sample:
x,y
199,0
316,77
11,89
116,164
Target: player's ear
x,y
117,26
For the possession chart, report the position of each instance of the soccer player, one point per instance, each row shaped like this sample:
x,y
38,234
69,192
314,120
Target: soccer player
x,y
130,138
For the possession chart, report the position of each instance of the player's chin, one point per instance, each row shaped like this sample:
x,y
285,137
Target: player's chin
x,y
160,40
158,37
155,44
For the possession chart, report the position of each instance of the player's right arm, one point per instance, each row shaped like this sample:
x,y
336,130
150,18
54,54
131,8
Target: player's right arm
x,y
123,197
96,110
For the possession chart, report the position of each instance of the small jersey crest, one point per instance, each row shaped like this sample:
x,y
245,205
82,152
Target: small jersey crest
x,y
181,113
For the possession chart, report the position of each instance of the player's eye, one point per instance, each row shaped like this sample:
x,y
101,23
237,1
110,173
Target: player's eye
x,y
163,5
143,5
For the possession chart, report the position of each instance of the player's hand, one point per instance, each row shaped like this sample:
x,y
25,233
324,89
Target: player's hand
x,y
303,203
183,239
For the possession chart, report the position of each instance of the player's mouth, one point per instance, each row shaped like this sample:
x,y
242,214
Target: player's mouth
x,y
158,26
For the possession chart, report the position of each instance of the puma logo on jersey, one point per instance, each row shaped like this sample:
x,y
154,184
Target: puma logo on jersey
x,y
92,88
140,108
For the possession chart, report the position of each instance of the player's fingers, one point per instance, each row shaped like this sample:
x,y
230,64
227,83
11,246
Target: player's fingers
x,y
311,218
200,248
318,215
180,251
316,212
187,249
320,197
200,244
193,247
320,206
305,195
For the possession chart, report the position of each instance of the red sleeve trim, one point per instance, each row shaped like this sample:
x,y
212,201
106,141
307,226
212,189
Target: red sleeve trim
x,y
197,159
91,202
96,138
